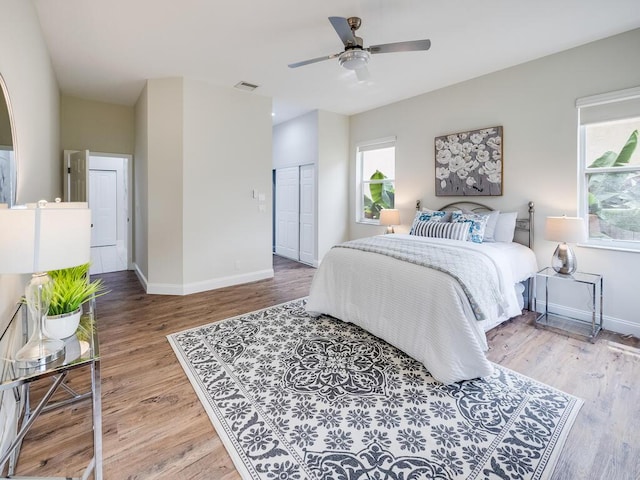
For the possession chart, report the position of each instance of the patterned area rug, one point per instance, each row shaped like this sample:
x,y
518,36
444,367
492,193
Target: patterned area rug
x,y
296,397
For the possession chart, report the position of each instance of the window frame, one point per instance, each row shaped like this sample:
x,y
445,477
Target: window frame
x,y
362,147
584,172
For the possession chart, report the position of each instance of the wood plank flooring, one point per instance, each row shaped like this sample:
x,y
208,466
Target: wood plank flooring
x,y
154,427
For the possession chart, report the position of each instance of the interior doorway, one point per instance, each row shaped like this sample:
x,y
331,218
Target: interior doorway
x,y
103,180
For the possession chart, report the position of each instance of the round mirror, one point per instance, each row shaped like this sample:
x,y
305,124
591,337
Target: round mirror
x,y
8,166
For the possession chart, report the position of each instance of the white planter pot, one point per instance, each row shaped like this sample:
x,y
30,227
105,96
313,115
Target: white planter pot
x,y
63,326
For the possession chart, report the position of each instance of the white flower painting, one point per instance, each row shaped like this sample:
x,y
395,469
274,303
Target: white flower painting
x,y
469,163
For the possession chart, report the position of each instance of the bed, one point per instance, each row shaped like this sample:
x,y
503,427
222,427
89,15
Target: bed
x,y
433,295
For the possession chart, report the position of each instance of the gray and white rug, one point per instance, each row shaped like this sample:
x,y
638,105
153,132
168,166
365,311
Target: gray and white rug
x,y
296,397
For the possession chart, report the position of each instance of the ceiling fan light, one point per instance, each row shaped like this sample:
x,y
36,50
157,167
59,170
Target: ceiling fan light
x,y
354,59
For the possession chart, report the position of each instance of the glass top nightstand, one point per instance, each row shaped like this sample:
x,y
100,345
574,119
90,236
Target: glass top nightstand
x,y
572,325
80,350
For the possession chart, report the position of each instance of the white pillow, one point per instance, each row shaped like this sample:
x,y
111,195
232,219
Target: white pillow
x,y
490,228
505,227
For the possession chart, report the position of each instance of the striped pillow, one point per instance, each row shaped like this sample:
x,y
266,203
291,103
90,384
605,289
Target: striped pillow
x,y
452,231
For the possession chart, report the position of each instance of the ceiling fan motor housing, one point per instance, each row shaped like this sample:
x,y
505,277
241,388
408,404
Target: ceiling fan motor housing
x,y
354,59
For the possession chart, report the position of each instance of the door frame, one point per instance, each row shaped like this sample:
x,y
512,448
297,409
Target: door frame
x,y
128,170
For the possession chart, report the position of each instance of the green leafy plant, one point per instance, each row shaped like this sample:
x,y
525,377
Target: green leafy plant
x,y
72,288
613,196
382,196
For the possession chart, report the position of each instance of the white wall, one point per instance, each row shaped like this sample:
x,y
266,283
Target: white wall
x,y
165,183
96,126
295,142
332,179
33,94
535,102
227,155
141,190
201,150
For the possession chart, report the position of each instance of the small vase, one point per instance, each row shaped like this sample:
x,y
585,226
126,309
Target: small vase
x,y
63,326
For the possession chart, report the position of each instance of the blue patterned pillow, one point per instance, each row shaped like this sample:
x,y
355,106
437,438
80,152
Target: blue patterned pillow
x,y
477,224
427,216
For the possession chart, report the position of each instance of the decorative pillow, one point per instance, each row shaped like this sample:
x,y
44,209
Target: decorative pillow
x,y
453,231
444,216
489,230
476,223
427,216
505,227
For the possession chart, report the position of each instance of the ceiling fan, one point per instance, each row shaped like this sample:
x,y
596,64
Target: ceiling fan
x,y
355,57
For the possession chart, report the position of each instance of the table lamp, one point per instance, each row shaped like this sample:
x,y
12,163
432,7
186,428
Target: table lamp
x,y
389,217
35,239
564,230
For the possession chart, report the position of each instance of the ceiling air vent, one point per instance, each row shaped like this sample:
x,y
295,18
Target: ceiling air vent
x,y
249,87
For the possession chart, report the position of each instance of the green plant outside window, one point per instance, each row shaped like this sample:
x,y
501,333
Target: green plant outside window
x,y
381,195
613,182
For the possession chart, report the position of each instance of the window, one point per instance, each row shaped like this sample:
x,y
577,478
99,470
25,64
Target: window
x,y
610,168
376,171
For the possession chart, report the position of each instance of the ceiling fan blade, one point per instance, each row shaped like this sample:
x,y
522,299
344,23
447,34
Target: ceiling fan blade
x,y
343,30
410,46
313,60
362,74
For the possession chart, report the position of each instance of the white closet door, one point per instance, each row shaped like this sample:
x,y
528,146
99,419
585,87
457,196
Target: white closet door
x,y
287,212
307,214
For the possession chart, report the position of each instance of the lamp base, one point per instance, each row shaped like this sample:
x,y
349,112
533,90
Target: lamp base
x,y
39,352
564,260
390,229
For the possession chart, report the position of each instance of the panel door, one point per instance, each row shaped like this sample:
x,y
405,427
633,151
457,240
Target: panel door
x,y
287,212
104,207
307,214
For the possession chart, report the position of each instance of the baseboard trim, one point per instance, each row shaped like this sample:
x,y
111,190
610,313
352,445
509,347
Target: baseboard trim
x,y
212,284
141,278
612,324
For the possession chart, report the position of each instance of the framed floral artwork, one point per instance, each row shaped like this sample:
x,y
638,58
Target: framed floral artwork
x,y
469,163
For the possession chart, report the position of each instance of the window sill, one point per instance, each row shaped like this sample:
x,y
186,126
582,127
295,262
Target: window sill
x,y
369,222
617,248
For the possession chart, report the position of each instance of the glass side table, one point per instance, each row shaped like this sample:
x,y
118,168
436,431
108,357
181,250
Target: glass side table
x,y
80,351
564,323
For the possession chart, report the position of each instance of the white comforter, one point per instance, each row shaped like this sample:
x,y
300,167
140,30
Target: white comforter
x,y
422,311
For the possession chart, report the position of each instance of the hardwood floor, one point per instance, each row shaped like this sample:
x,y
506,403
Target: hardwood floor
x,y
155,427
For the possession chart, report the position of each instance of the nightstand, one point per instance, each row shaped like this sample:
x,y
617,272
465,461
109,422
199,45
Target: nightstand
x,y
567,324
82,355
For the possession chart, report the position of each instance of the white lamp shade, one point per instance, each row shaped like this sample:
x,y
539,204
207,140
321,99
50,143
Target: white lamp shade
x,y
389,216
565,229
48,238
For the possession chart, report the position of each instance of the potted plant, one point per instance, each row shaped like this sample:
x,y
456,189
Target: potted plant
x,y
71,289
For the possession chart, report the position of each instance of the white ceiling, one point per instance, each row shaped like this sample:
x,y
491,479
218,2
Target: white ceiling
x,y
105,49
